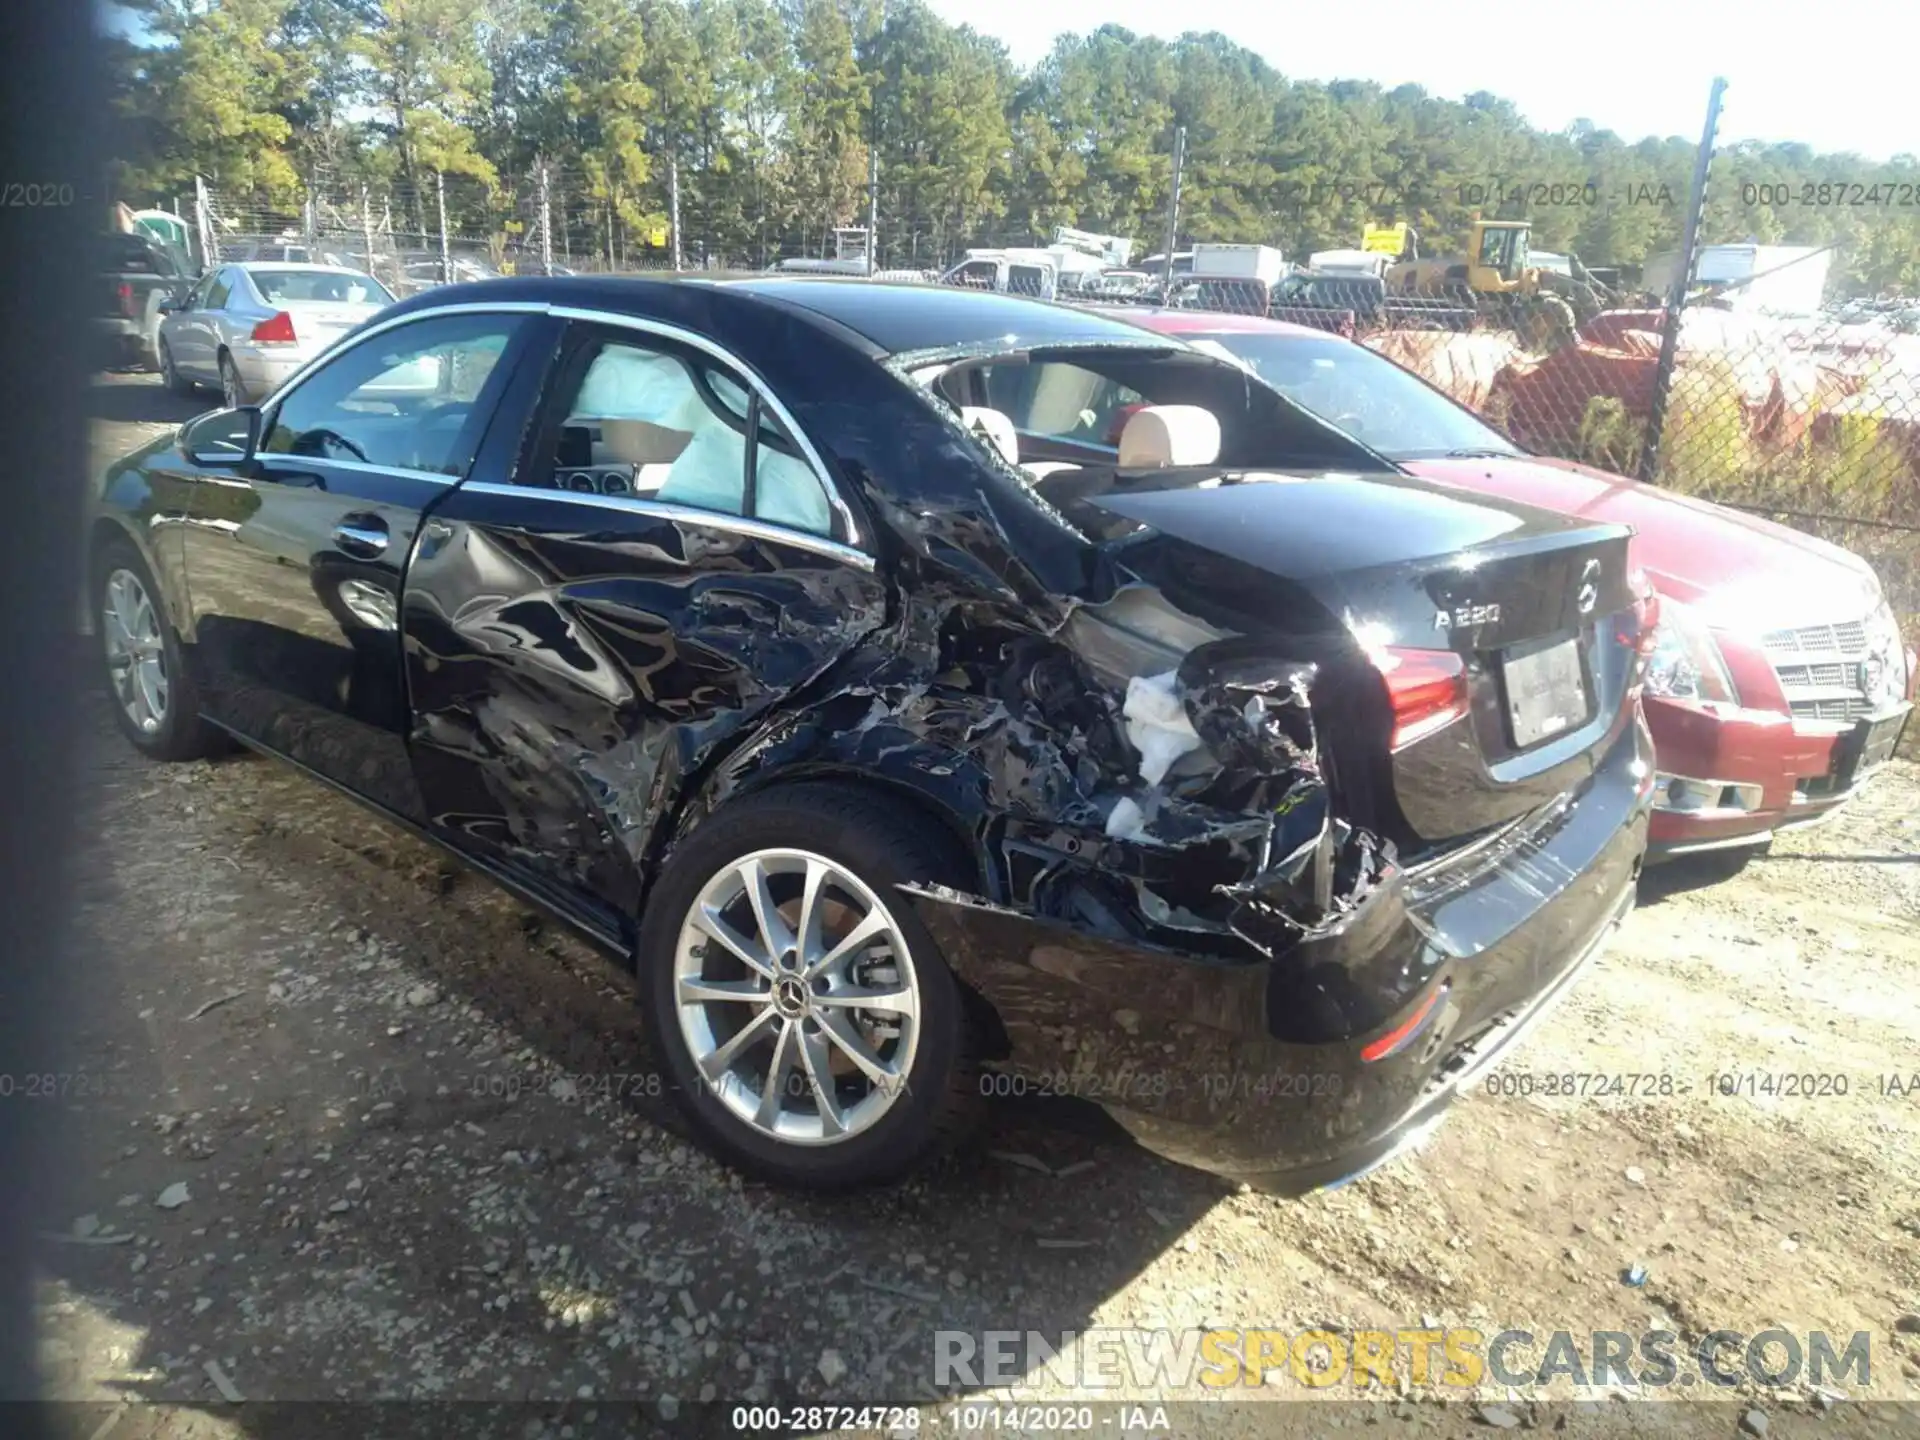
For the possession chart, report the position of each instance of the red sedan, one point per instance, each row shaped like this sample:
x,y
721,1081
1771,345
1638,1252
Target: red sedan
x,y
1780,681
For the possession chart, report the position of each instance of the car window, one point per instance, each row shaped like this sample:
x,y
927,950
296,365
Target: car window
x,y
1360,393
407,399
664,425
218,292
277,287
1057,401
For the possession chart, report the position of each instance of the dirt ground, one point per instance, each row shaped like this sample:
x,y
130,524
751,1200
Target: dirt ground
x,y
421,1157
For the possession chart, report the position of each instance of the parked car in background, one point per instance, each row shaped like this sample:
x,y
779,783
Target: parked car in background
x,y
139,274
1353,304
247,327
1268,791
283,252
420,271
1780,682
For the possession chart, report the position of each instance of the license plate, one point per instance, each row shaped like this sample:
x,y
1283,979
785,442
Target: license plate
x,y
1869,746
1546,692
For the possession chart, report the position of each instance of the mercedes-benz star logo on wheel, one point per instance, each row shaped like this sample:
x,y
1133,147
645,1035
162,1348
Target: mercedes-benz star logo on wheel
x,y
1588,595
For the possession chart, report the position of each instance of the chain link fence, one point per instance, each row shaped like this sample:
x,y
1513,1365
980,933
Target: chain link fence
x,y
1812,420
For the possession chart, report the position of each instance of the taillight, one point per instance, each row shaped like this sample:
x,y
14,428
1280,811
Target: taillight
x,y
1644,618
275,330
1396,1039
1427,688
127,306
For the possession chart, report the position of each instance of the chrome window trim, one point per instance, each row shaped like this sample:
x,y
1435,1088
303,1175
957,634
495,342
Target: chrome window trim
x,y
688,514
438,477
647,326
733,362
341,347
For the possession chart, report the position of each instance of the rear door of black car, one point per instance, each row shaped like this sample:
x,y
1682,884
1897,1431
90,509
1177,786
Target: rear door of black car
x,y
295,560
668,565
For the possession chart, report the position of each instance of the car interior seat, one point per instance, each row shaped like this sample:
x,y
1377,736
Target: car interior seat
x,y
1155,438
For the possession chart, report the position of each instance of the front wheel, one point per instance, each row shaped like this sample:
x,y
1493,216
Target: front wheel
x,y
153,694
812,1031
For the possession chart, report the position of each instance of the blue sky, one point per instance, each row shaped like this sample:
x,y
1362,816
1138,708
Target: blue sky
x,y
1837,75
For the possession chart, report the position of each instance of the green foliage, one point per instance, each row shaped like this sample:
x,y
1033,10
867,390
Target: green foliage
x,y
1706,447
770,106
1609,438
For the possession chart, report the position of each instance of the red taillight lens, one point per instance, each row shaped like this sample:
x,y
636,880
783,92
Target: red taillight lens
x,y
1396,1039
1428,690
276,330
1645,621
127,307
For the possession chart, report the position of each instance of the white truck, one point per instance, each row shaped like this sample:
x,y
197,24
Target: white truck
x,y
1076,261
1349,262
1264,263
1777,279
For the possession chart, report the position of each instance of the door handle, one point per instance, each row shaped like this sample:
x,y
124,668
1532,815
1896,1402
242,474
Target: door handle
x,y
364,536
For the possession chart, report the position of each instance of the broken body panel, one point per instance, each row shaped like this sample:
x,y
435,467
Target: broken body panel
x,y
587,682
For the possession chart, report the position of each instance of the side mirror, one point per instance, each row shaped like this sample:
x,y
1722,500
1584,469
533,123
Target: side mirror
x,y
225,437
169,304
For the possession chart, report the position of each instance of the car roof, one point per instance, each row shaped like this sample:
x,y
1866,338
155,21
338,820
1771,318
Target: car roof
x,y
885,318
899,318
1216,322
252,265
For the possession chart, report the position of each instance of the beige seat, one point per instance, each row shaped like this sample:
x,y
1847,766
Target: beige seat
x,y
1158,437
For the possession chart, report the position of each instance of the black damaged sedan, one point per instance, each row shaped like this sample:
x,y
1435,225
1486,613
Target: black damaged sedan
x,y
928,693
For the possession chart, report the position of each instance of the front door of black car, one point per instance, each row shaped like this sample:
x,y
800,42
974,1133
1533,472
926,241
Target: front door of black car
x,y
670,568
294,561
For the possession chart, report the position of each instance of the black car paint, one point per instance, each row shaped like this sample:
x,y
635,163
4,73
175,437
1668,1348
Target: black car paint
x,y
584,681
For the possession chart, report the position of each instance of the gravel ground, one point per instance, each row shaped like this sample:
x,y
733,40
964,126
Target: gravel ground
x,y
345,1123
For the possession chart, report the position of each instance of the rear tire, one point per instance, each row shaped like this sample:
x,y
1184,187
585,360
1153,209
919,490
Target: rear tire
x,y
233,391
154,699
170,375
731,1028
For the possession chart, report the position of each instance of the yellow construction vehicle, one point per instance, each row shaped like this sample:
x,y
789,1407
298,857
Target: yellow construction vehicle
x,y
1495,263
1496,276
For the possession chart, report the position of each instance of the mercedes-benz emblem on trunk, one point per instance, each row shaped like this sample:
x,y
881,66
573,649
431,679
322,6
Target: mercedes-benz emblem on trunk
x,y
1588,595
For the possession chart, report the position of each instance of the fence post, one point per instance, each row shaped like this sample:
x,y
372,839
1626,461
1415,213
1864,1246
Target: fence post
x,y
446,258
546,224
366,225
1173,211
203,224
873,208
1677,294
673,207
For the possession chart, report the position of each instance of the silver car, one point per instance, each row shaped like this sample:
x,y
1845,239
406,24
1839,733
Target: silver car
x,y
247,327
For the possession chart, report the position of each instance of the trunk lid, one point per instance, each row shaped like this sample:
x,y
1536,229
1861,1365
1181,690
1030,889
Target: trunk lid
x,y
1526,601
326,320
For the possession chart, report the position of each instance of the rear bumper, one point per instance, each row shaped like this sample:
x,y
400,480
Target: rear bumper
x,y
262,370
119,339
1257,1069
1772,770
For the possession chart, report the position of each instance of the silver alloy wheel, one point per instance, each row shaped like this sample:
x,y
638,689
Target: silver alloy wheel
x,y
232,393
136,654
797,997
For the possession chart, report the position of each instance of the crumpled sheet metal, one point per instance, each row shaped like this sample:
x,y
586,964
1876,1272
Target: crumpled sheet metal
x,y
1027,757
